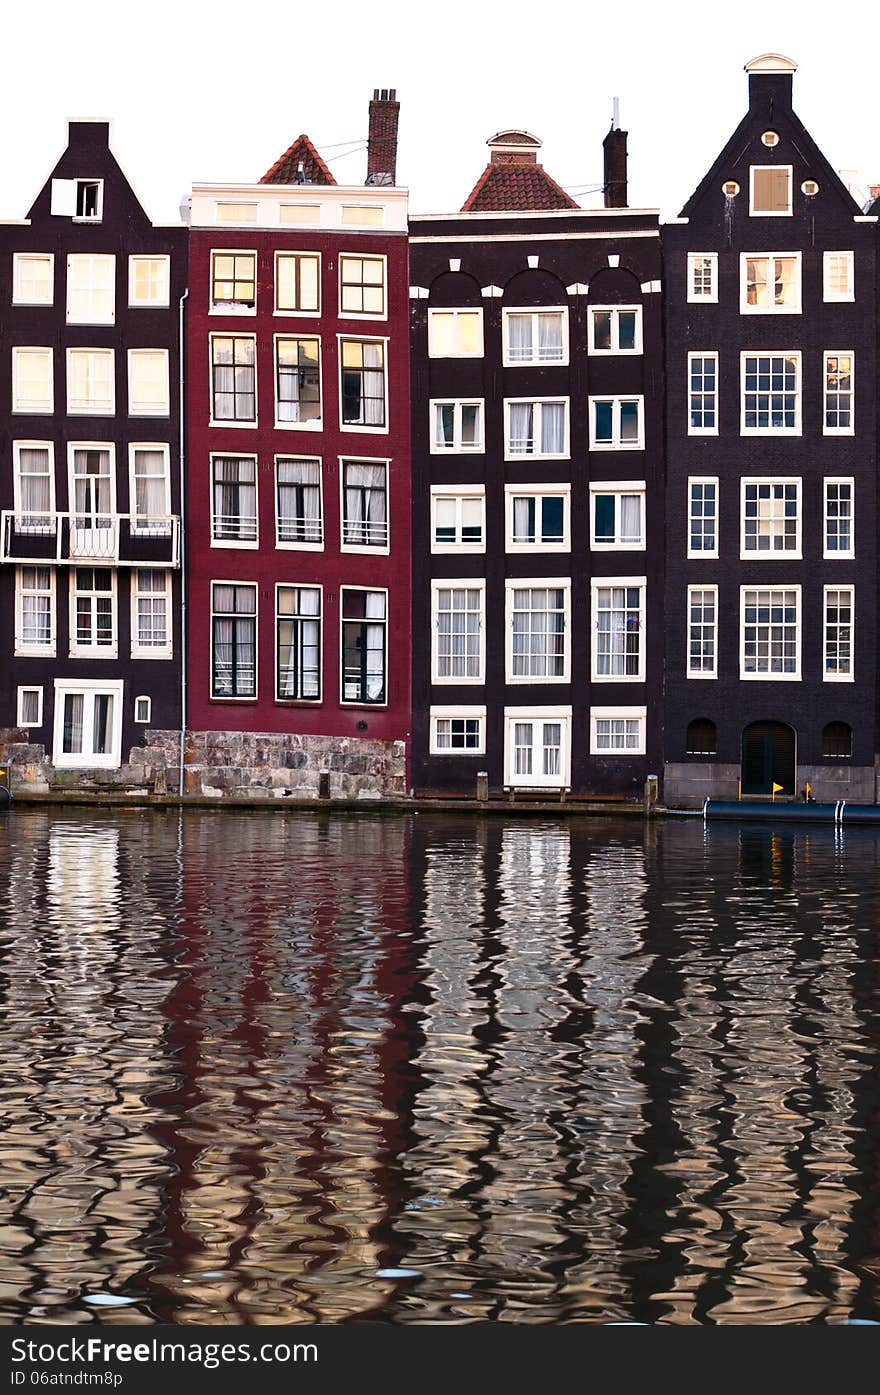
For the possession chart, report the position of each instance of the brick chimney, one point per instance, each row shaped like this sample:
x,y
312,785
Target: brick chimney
x,y
382,138
614,147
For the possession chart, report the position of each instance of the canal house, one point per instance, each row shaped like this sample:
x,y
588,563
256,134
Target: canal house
x,y
771,564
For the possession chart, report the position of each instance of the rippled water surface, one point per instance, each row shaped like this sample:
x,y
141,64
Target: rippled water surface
x,y
252,1065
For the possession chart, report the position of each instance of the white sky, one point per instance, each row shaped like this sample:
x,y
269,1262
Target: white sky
x,y
218,89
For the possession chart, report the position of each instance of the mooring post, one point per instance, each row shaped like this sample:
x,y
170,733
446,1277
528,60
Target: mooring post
x,y
651,784
482,786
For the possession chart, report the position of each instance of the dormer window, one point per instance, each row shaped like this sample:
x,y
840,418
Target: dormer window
x,y
770,191
88,198
770,138
81,199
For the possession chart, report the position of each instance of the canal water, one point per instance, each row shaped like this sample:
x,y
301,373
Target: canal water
x,y
265,1068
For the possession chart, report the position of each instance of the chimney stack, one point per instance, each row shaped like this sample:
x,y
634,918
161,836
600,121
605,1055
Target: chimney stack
x,y
382,138
614,147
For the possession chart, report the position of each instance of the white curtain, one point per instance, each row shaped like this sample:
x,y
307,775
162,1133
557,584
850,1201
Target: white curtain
x,y
523,520
522,440
36,488
444,425
630,518
374,385
520,338
553,428
73,723
365,504
549,338
149,484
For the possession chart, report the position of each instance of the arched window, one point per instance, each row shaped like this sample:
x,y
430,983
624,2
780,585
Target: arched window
x,y
837,741
702,737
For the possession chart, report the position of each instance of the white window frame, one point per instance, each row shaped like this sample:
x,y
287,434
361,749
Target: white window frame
x,y
98,214
19,715
94,651
477,714
560,714
536,492
771,677
772,554
316,423
711,297
255,615
457,447
300,314
111,527
839,430
47,407
366,549
600,582
539,402
617,488
702,479
458,492
320,617
615,350
18,446
625,714
286,545
18,261
44,650
368,427
363,314
556,583
457,310
771,213
701,673
103,410
799,393
828,291
145,720
163,294
234,308
457,583
839,677
534,311
137,527
243,423
95,688
617,400
843,553
745,308
244,544
152,651
163,408
76,262
701,430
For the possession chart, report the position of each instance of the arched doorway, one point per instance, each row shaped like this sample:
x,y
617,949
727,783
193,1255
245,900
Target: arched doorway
x,y
768,758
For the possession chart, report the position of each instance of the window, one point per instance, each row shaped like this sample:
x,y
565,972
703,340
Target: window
x,y
33,275
234,282
458,651
364,504
837,741
770,633
149,281
456,426
91,386
839,611
89,199
455,333
537,428
91,289
458,731
771,394
150,613
362,285
236,212
88,724
458,519
618,606
839,417
363,383
92,486
702,517
298,513
702,277
300,213
32,385
702,650
616,423
297,382
838,276
702,737
297,283
298,643
30,707
364,645
534,336
93,612
143,707
771,518
234,499
617,516
839,520
614,329
703,394
150,490
148,390
537,747
537,518
770,284
617,731
34,610
354,215
233,640
33,486
770,187
537,628
233,378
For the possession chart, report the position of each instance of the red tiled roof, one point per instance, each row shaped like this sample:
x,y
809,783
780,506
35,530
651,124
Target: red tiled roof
x,y
515,187
286,169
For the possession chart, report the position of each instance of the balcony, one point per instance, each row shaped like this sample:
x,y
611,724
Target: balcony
x,y
113,539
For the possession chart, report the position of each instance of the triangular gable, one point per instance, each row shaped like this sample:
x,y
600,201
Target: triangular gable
x,y
516,188
286,169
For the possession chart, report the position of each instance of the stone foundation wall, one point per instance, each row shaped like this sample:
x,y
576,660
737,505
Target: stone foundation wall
x,y
688,785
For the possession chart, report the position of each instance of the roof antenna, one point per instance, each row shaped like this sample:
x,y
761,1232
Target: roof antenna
x,y
301,173
615,118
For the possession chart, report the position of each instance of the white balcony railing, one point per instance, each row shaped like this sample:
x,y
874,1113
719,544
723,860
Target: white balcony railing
x,y
116,539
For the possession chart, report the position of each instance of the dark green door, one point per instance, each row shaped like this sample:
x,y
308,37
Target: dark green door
x,y
768,758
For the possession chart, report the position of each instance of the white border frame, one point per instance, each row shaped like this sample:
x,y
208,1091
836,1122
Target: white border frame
x,y
772,554
537,491
28,688
850,552
616,400
456,448
134,526
232,308
600,581
364,548
745,308
712,298
297,546
90,411
320,617
96,687
458,583
558,583
457,491
789,431
830,297
701,673
771,677
703,479
165,651
165,261
592,351
562,715
458,310
17,447
618,487
703,430
639,714
142,721
474,713
508,362
90,257
132,355
76,650
384,340
228,424
764,213
362,314
317,423
29,410
17,259
565,454
20,649
839,430
839,677
298,314
237,544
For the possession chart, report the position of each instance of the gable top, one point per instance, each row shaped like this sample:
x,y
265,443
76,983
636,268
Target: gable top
x,y
286,169
513,181
514,140
771,63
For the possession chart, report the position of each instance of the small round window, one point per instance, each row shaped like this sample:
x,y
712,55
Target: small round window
x,y
809,187
730,188
770,138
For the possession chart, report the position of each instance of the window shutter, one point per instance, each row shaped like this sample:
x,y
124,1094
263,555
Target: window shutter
x,y
63,198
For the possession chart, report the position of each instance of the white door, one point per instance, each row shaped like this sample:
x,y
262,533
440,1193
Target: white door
x,y
538,751
92,531
88,724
